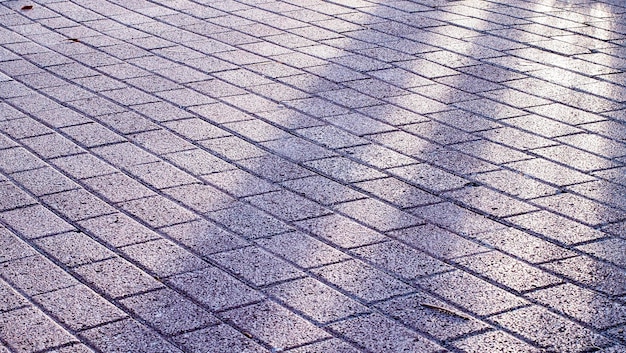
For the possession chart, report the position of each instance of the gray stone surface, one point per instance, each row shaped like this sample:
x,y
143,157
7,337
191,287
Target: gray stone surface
x,y
312,176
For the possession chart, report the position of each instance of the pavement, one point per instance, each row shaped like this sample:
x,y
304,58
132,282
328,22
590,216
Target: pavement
x,y
313,176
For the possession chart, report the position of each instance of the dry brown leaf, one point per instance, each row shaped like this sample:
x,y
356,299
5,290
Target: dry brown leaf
x,y
74,39
27,7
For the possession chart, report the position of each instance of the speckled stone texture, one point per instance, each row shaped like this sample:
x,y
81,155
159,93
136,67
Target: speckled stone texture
x,y
313,176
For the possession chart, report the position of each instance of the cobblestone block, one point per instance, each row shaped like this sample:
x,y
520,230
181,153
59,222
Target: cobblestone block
x,y
117,230
163,257
557,227
158,211
303,250
437,241
215,288
73,248
380,334
256,265
169,312
287,205
362,281
117,277
420,312
397,192
127,335
82,166
275,325
30,330
378,214
429,177
217,339
499,340
77,204
471,293
204,237
600,276
78,307
35,275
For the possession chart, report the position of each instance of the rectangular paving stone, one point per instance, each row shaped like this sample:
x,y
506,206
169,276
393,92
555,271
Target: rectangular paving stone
x,y
437,241
378,215
331,136
204,238
471,293
334,344
275,325
30,330
77,204
301,249
157,211
322,190
256,265
516,138
73,248
201,198
239,183
12,197
249,221
515,184
549,330
491,202
124,154
429,177
585,305
297,149
18,159
499,340
78,307
82,166
341,231
601,276
556,227
92,134
217,339
214,288
397,192
316,300
118,187
35,275
127,336
52,146
117,277
402,260
523,245
344,170
362,281
275,169
379,156
581,209
380,334
420,312
163,257
456,218
169,312
117,230
11,298
508,271
35,221
287,205
611,250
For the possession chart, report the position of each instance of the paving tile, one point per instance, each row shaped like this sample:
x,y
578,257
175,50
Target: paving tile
x,y
275,325
581,209
508,271
287,205
169,312
127,335
92,134
117,230
217,339
73,248
322,190
402,260
609,249
77,204
12,197
316,300
18,159
456,218
380,334
437,241
362,281
556,227
585,305
549,330
13,247
499,340
429,177
78,307
30,330
301,249
82,166
470,293
35,275
516,184
256,265
344,170
201,198
163,257
378,214
297,149
204,238
240,183
490,202
398,193
379,156
117,277
601,276
157,211
341,231
428,314
275,169
214,288
124,154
